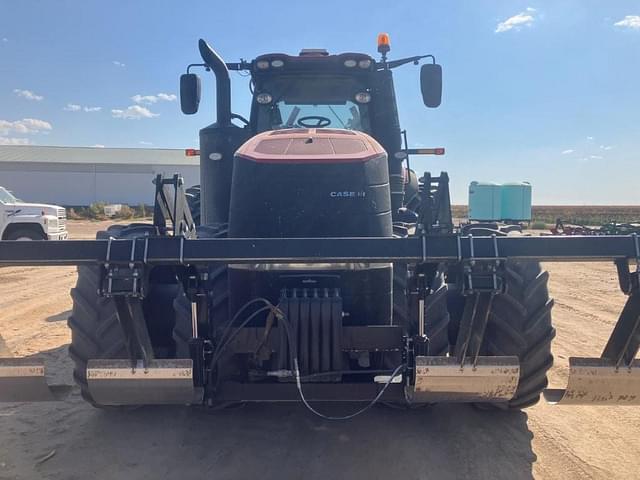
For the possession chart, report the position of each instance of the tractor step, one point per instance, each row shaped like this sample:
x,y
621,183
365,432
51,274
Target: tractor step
x,y
443,379
597,381
115,382
23,380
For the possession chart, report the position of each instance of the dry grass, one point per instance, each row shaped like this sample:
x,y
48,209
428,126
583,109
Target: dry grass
x,y
578,214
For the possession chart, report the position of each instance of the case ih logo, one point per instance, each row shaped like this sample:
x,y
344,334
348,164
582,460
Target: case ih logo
x,y
347,194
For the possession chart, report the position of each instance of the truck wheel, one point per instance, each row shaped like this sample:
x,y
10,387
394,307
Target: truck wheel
x,y
520,324
26,234
218,287
95,330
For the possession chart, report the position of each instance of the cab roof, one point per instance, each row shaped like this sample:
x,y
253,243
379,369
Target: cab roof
x,y
318,60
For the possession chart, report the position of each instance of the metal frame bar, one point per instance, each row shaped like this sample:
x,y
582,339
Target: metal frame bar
x,y
472,327
624,342
314,392
171,204
415,249
131,319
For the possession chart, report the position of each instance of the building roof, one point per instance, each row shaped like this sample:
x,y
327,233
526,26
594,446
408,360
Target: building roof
x,y
95,155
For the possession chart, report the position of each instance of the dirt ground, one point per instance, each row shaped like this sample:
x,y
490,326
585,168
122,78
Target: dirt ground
x,y
72,440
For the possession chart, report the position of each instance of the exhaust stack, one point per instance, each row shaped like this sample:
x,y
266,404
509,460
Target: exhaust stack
x,y
223,82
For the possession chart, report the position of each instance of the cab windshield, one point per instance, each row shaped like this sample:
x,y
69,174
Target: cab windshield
x,y
7,197
311,102
296,115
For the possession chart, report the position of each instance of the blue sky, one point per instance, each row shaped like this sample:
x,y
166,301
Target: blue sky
x,y
540,91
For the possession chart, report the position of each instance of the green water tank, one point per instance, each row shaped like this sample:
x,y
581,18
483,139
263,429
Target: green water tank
x,y
485,199
497,202
516,201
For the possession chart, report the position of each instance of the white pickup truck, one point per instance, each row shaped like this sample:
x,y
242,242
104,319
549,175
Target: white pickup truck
x,y
30,221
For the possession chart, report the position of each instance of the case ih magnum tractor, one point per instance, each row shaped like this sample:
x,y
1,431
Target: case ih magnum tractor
x,y
320,268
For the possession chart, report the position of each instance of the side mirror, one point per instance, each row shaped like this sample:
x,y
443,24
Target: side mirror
x,y
431,84
189,93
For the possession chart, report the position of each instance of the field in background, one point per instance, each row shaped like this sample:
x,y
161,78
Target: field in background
x,y
580,214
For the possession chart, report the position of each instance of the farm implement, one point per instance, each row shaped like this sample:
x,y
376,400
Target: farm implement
x,y
319,268
610,228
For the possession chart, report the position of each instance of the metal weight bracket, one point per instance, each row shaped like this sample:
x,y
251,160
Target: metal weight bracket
x,y
481,274
120,280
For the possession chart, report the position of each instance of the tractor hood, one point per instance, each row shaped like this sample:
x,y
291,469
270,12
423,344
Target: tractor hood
x,y
311,145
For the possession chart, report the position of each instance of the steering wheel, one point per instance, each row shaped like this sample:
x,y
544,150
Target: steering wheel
x,y
239,117
320,121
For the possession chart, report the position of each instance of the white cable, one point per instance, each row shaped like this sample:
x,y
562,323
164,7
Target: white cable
x,y
395,373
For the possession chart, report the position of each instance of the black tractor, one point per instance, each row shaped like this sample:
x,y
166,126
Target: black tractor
x,y
322,156
312,264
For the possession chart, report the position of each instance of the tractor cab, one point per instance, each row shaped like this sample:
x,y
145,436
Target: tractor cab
x,y
312,90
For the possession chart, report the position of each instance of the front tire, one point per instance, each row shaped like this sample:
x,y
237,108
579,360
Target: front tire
x,y
26,234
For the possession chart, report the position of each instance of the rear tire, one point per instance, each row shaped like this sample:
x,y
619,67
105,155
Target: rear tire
x,y
95,329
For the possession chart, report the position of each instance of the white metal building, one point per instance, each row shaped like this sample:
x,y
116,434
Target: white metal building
x,y
83,175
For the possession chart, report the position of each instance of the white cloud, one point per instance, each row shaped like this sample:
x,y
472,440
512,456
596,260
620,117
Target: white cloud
x,y
14,141
589,138
146,99
133,112
167,97
629,21
74,107
97,145
596,157
5,39
606,147
142,142
150,99
24,126
567,152
525,18
28,94
118,64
